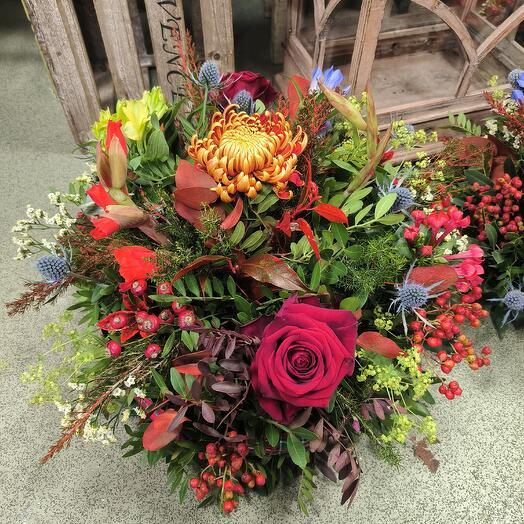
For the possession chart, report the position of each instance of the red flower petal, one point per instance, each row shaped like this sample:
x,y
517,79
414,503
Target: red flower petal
x,y
113,129
136,262
100,196
104,227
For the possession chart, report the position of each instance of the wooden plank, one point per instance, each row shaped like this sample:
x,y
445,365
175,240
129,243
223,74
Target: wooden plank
x,y
368,29
217,24
300,56
119,41
500,33
436,108
278,30
166,19
57,32
507,51
138,31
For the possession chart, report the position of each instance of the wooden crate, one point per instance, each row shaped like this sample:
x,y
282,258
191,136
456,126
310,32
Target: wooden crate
x,y
429,37
80,89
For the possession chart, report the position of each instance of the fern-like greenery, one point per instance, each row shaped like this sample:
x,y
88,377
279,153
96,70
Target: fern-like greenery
x,y
377,263
463,124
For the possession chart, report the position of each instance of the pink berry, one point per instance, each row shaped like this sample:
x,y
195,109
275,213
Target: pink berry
x,y
152,351
113,349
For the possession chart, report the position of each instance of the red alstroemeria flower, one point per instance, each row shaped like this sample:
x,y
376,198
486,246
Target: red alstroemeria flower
x,y
114,130
136,262
103,227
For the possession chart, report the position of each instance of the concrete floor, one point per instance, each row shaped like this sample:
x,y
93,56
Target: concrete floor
x,y
481,476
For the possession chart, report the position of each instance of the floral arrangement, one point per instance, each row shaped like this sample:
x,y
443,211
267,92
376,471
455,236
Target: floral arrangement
x,y
482,173
257,290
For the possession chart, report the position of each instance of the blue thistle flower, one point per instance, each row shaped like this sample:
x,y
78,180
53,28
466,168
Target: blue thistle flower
x,y
412,296
404,198
209,74
516,78
513,300
244,101
53,268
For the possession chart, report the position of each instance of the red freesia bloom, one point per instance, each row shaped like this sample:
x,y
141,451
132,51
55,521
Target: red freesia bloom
x,y
305,353
136,262
256,85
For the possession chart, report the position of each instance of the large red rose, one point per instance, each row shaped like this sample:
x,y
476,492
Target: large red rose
x,y
256,85
304,354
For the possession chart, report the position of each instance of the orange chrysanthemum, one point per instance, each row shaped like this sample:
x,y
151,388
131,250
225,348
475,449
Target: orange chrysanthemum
x,y
241,151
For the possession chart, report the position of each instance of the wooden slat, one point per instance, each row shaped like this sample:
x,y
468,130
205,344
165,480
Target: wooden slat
x,y
217,24
278,30
368,29
433,109
58,34
500,33
119,41
166,19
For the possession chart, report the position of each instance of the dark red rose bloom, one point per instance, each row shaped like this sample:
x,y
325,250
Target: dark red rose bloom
x,y
305,352
256,85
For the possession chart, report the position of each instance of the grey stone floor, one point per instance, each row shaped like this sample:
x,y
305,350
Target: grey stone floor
x,y
481,476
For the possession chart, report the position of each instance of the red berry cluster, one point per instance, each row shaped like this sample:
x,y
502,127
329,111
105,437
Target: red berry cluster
x,y
446,326
502,208
228,473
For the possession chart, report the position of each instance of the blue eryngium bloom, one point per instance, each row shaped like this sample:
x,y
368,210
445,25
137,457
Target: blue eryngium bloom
x,y
513,300
331,78
516,78
412,296
53,268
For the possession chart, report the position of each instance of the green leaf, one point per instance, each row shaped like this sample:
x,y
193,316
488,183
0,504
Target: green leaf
x,y
272,434
267,203
389,220
331,404
305,433
353,303
188,340
491,233
238,234
384,205
168,346
296,450
315,276
362,213
159,382
340,233
231,286
177,381
156,147
192,284
242,304
253,241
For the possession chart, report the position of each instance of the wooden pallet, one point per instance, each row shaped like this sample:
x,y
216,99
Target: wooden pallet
x,y
59,36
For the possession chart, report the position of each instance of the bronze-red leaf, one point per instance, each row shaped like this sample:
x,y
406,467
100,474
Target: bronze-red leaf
x,y
269,269
375,342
